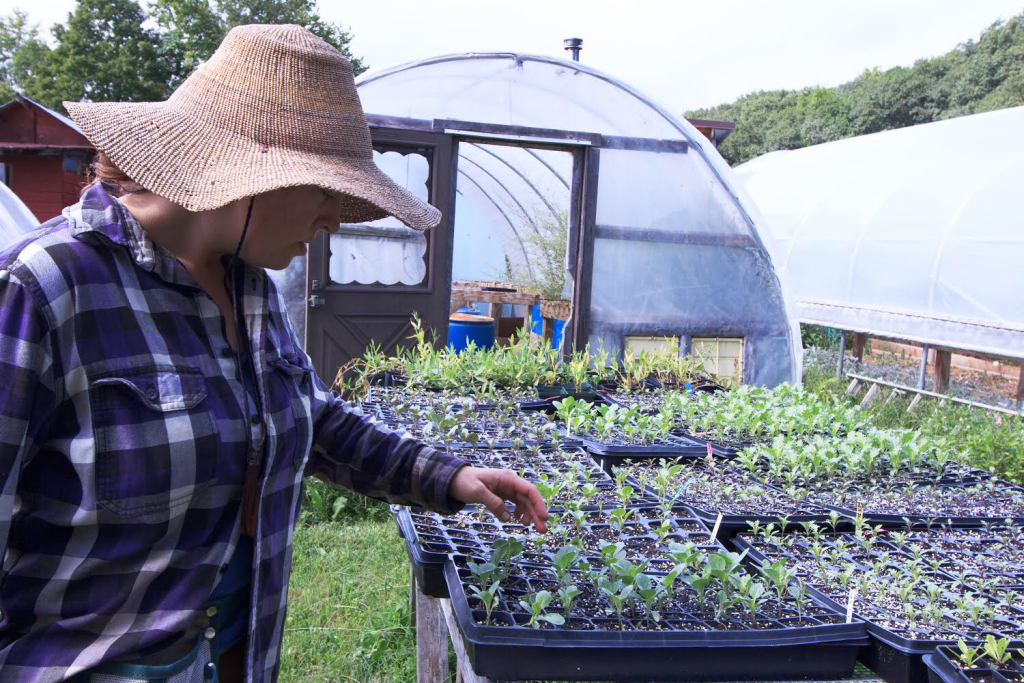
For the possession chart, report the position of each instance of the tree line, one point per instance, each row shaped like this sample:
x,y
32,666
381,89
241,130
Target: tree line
x,y
116,50
974,77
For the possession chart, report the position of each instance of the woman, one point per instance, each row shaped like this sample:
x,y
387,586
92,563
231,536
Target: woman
x,y
157,413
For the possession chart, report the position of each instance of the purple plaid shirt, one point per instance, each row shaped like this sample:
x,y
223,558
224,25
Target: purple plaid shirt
x,y
123,447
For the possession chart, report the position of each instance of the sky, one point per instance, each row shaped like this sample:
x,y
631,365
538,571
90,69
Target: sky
x,y
683,54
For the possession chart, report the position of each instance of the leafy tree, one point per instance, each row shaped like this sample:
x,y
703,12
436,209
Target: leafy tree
x,y
107,52
21,54
192,29
301,12
103,54
974,77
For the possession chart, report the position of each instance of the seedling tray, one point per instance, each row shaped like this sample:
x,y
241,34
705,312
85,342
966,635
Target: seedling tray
x,y
966,521
567,389
609,456
733,523
895,658
514,651
943,669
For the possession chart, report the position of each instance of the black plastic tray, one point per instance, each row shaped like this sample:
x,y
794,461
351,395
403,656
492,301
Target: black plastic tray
x,y
515,653
734,524
894,658
942,669
901,520
609,455
427,566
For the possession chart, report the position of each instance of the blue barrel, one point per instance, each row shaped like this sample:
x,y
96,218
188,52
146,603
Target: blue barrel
x,y
556,328
466,327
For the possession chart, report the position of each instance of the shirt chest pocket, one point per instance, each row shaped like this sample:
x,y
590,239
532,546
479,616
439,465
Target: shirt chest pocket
x,y
156,447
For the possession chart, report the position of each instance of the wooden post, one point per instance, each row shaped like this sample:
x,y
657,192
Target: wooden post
x,y
431,641
412,597
1020,389
464,671
842,354
942,359
859,339
853,388
913,403
870,397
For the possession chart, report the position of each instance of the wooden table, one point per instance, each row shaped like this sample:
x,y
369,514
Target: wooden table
x,y
435,625
465,292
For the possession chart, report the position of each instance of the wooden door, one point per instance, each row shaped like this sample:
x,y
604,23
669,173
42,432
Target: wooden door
x,y
349,306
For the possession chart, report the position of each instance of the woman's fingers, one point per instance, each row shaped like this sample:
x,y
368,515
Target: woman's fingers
x,y
491,487
495,504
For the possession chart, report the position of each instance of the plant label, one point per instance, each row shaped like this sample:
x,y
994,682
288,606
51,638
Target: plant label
x,y
714,532
849,605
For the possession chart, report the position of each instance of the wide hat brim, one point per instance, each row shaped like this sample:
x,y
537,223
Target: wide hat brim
x,y
201,167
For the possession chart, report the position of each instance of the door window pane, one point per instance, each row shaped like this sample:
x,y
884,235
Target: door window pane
x,y
384,251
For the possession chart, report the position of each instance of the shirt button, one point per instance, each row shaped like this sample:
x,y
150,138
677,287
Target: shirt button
x,y
255,419
227,352
210,633
211,611
151,394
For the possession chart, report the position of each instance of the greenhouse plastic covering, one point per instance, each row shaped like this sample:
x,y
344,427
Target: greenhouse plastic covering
x,y
915,233
15,218
678,250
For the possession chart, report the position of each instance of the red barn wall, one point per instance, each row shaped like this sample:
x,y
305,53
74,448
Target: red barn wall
x,y
37,175
25,123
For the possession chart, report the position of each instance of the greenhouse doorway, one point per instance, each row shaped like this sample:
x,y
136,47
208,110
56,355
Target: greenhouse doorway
x,y
511,242
365,283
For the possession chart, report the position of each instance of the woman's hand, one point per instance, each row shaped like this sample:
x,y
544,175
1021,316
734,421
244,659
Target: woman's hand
x,y
492,488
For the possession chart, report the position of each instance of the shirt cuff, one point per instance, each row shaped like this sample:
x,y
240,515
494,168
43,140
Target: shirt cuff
x,y
444,468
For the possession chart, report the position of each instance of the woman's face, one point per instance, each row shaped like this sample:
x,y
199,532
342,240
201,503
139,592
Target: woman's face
x,y
285,221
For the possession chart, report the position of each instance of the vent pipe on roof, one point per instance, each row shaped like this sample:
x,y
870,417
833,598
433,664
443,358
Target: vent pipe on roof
x,y
573,45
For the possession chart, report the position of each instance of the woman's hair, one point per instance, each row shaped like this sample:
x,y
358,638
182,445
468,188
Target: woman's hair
x,y
116,181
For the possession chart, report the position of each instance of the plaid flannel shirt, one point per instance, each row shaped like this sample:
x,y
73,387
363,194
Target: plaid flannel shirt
x,y
123,447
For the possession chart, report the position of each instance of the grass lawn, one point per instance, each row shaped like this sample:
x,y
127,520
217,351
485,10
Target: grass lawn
x,y
348,614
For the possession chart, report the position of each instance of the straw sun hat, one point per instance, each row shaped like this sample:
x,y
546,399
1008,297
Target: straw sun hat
x,y
275,106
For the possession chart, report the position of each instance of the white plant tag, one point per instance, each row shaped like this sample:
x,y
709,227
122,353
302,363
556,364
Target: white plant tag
x,y
849,605
718,523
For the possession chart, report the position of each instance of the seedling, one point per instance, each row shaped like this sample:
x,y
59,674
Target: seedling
x,y
663,530
536,604
778,576
967,656
504,551
619,517
686,556
996,650
617,593
489,598
798,591
567,594
564,562
651,593
752,595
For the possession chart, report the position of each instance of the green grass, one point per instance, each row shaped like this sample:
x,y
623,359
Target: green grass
x,y
348,614
994,441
